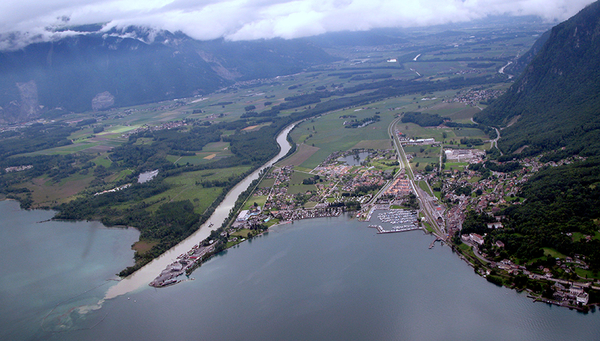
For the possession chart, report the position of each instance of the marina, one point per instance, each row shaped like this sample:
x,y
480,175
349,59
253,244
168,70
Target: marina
x,y
395,229
404,220
396,216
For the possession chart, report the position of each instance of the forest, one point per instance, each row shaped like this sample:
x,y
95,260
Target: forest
x,y
559,202
423,119
36,137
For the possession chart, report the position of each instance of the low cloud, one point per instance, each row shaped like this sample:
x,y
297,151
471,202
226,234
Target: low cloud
x,y
34,20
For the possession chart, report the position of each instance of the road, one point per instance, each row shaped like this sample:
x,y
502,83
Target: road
x,y
495,141
504,67
425,200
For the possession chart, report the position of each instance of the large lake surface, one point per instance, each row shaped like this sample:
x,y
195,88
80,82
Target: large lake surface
x,y
324,279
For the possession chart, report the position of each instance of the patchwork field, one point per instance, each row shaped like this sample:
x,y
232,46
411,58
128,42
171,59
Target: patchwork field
x,y
303,152
48,193
188,186
374,144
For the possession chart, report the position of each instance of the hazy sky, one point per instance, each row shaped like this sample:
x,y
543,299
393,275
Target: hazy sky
x,y
251,19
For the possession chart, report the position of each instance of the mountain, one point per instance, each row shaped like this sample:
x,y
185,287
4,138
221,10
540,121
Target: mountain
x,y
521,63
93,69
555,103
372,37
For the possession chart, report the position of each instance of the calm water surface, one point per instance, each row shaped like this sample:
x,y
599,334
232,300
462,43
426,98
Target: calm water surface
x,y
50,269
354,159
326,279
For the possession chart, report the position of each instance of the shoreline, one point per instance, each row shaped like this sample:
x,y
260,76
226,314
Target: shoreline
x,y
489,269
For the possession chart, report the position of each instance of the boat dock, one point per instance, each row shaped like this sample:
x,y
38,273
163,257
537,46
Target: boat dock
x,y
395,229
398,217
433,242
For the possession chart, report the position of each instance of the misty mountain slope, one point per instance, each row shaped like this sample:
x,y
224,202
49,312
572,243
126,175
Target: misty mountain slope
x,y
521,63
264,57
556,101
101,70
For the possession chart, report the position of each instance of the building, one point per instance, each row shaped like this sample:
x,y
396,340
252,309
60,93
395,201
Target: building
x,y
476,238
576,290
399,188
243,216
583,298
496,225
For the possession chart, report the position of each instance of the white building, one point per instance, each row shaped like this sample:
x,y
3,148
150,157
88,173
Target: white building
x,y
476,238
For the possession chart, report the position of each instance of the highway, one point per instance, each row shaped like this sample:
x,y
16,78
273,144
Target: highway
x,y
425,200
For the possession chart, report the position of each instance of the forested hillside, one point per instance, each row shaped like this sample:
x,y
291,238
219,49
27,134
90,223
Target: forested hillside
x,y
519,65
555,103
552,109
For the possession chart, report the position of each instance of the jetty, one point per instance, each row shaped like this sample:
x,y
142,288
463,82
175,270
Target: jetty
x,y
433,242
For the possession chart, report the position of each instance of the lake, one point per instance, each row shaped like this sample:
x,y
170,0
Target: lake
x,y
49,268
354,159
326,278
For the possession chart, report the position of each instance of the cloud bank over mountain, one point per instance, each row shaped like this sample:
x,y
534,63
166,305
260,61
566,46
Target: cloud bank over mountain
x,y
26,21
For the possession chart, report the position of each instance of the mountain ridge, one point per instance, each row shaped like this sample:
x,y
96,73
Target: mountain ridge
x,y
556,100
136,66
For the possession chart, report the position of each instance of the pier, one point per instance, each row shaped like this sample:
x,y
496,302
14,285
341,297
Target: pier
x,y
185,262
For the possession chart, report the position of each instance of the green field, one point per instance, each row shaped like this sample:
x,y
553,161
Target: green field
x,y
296,186
553,253
470,132
267,183
259,200
329,135
185,187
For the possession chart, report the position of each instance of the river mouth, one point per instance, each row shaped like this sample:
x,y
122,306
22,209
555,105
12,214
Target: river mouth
x,y
55,273
142,277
